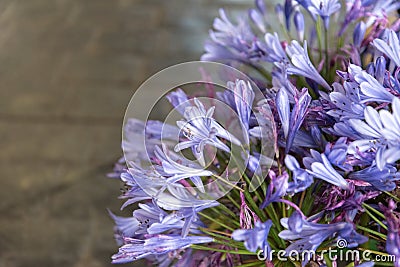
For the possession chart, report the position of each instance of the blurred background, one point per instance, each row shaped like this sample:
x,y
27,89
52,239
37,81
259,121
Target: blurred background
x,y
68,69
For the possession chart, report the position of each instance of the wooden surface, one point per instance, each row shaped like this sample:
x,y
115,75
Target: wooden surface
x,y
68,69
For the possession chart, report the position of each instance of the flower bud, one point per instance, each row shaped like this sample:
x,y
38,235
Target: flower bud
x,y
380,69
299,24
359,32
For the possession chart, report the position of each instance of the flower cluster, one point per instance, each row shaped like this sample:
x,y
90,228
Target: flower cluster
x,y
329,74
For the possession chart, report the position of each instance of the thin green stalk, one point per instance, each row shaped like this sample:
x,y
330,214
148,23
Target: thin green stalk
x,y
392,196
319,37
374,210
326,54
262,71
228,244
233,200
275,216
216,233
216,221
375,219
372,232
239,252
233,215
227,182
255,191
254,206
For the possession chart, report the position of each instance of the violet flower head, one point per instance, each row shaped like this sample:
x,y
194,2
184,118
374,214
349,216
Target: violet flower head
x,y
243,98
298,19
301,178
391,48
231,42
294,119
276,189
302,65
320,167
179,100
393,237
308,236
371,89
256,237
324,8
177,168
201,129
156,245
382,179
380,132
359,33
274,50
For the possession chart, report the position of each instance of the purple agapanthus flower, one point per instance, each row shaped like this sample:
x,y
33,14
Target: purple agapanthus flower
x,y
256,237
320,167
185,219
370,88
230,41
274,51
382,179
301,178
176,168
201,129
380,133
240,96
347,102
324,8
308,236
292,120
328,109
276,189
155,245
179,100
302,65
393,237
127,226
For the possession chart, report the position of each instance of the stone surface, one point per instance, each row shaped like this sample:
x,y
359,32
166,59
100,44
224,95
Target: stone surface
x,y
68,69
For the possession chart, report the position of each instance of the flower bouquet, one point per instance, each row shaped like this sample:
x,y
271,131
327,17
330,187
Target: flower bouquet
x,y
290,159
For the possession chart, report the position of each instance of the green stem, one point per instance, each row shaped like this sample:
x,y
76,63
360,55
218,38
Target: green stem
x,y
233,201
254,206
326,54
372,232
262,71
319,33
392,196
375,219
239,252
227,182
374,210
216,221
233,215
